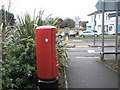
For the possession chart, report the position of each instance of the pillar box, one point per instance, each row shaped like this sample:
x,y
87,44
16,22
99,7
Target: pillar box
x,y
47,64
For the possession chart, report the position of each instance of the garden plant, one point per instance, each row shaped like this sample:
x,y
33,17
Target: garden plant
x,y
19,52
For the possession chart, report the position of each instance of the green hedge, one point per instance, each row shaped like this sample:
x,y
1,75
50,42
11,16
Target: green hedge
x,y
19,71
19,52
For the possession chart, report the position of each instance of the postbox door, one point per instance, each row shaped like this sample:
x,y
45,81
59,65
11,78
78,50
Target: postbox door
x,y
44,54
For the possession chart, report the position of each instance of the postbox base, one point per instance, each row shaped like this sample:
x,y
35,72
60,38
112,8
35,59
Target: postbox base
x,y
48,84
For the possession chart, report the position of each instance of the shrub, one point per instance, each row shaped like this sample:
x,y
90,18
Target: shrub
x,y
20,70
19,65
61,53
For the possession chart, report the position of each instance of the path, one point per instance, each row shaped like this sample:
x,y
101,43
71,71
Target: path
x,y
85,70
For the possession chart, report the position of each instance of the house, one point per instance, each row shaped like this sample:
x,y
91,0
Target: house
x,y
95,22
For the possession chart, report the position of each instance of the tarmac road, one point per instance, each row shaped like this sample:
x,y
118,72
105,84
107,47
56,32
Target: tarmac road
x,y
85,70
109,46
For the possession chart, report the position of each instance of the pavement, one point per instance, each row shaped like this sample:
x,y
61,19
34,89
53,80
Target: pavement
x,y
86,71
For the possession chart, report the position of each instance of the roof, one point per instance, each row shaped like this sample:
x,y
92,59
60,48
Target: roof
x,y
108,0
109,15
96,12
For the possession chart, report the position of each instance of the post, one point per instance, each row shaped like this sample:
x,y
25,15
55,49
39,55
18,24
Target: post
x,y
116,41
103,10
94,25
119,41
66,40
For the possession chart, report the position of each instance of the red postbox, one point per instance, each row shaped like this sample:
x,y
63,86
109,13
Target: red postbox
x,y
47,64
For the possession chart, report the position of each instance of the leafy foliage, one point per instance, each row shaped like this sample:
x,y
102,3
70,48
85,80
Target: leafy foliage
x,y
19,70
61,53
19,65
83,23
54,21
68,23
27,25
10,19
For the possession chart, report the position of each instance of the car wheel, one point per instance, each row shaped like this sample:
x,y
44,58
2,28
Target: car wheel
x,y
82,36
73,35
96,35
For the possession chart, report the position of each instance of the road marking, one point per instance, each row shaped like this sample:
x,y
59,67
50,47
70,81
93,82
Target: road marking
x,y
77,40
99,47
86,57
91,51
81,46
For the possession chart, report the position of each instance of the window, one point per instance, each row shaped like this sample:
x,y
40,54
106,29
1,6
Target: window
x,y
99,16
110,28
106,16
106,28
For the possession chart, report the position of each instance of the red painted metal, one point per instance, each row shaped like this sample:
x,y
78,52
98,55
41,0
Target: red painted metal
x,y
47,63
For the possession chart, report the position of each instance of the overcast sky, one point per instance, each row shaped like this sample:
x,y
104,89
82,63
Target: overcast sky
x,y
58,8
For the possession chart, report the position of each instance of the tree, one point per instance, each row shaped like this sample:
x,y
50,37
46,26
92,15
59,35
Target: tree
x,y
83,23
68,23
77,20
0,18
7,18
6,21
54,21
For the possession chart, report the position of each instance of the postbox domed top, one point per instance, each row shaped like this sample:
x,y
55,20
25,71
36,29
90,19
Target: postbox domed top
x,y
45,27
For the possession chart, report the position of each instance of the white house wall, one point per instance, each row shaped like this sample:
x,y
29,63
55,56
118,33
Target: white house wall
x,y
108,22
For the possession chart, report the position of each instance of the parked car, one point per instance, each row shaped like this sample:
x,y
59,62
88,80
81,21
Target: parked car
x,y
89,33
80,32
97,33
69,33
77,32
72,33
111,33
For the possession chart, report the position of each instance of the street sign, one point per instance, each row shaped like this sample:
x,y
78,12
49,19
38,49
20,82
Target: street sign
x,y
110,5
113,14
